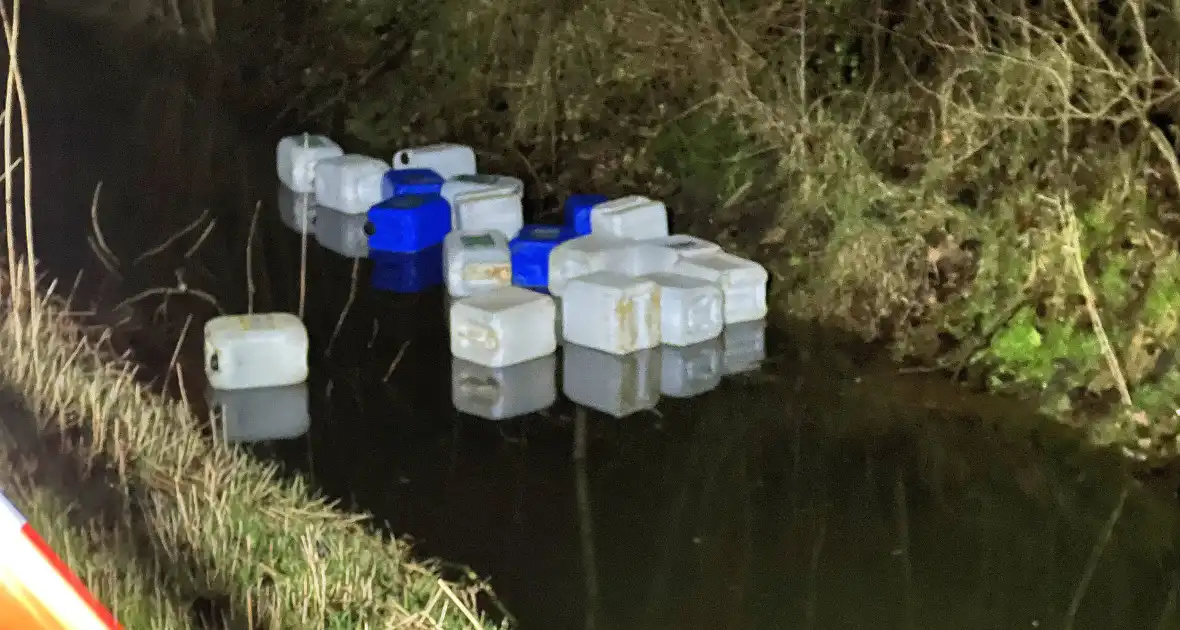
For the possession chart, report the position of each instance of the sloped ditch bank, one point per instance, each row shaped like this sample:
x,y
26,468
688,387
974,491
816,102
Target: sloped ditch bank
x,y
227,542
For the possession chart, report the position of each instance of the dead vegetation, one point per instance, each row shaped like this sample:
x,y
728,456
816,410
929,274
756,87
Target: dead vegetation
x,y
919,173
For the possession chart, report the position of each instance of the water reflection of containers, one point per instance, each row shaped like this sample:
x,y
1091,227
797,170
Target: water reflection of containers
x,y
530,254
576,210
412,272
296,210
476,261
256,350
446,159
615,385
506,392
745,346
691,371
408,223
261,415
349,183
341,232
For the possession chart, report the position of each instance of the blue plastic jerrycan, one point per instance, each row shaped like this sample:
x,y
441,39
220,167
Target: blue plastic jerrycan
x,y
412,181
530,253
408,223
577,211
412,272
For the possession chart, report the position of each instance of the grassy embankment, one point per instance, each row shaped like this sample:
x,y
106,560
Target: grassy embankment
x,y
164,525
987,187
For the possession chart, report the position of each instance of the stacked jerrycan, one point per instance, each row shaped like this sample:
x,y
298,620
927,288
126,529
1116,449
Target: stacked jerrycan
x,y
640,312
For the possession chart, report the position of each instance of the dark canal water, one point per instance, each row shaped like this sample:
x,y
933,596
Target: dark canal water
x,y
821,490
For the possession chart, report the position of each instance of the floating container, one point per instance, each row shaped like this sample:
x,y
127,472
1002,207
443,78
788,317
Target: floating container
x,y
486,202
412,272
446,159
745,346
580,256
341,232
577,211
258,350
408,223
640,259
685,245
476,261
503,327
411,181
691,370
296,210
692,310
615,385
530,254
742,281
297,156
505,392
611,312
633,217
262,415
349,183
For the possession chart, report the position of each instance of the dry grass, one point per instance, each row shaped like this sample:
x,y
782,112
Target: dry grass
x,y
214,519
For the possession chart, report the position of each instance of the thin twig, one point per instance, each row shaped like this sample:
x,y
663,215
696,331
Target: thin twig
x,y
176,352
250,259
396,360
1095,555
172,239
356,266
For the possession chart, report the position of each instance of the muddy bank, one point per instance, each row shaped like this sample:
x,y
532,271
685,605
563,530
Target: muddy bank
x,y
955,196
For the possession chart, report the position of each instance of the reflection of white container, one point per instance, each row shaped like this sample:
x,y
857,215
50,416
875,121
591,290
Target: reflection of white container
x,y
446,159
692,370
634,217
611,312
258,350
261,415
615,385
476,261
745,346
341,232
691,309
503,327
350,183
640,259
685,245
296,157
580,256
296,210
485,202
505,392
742,281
